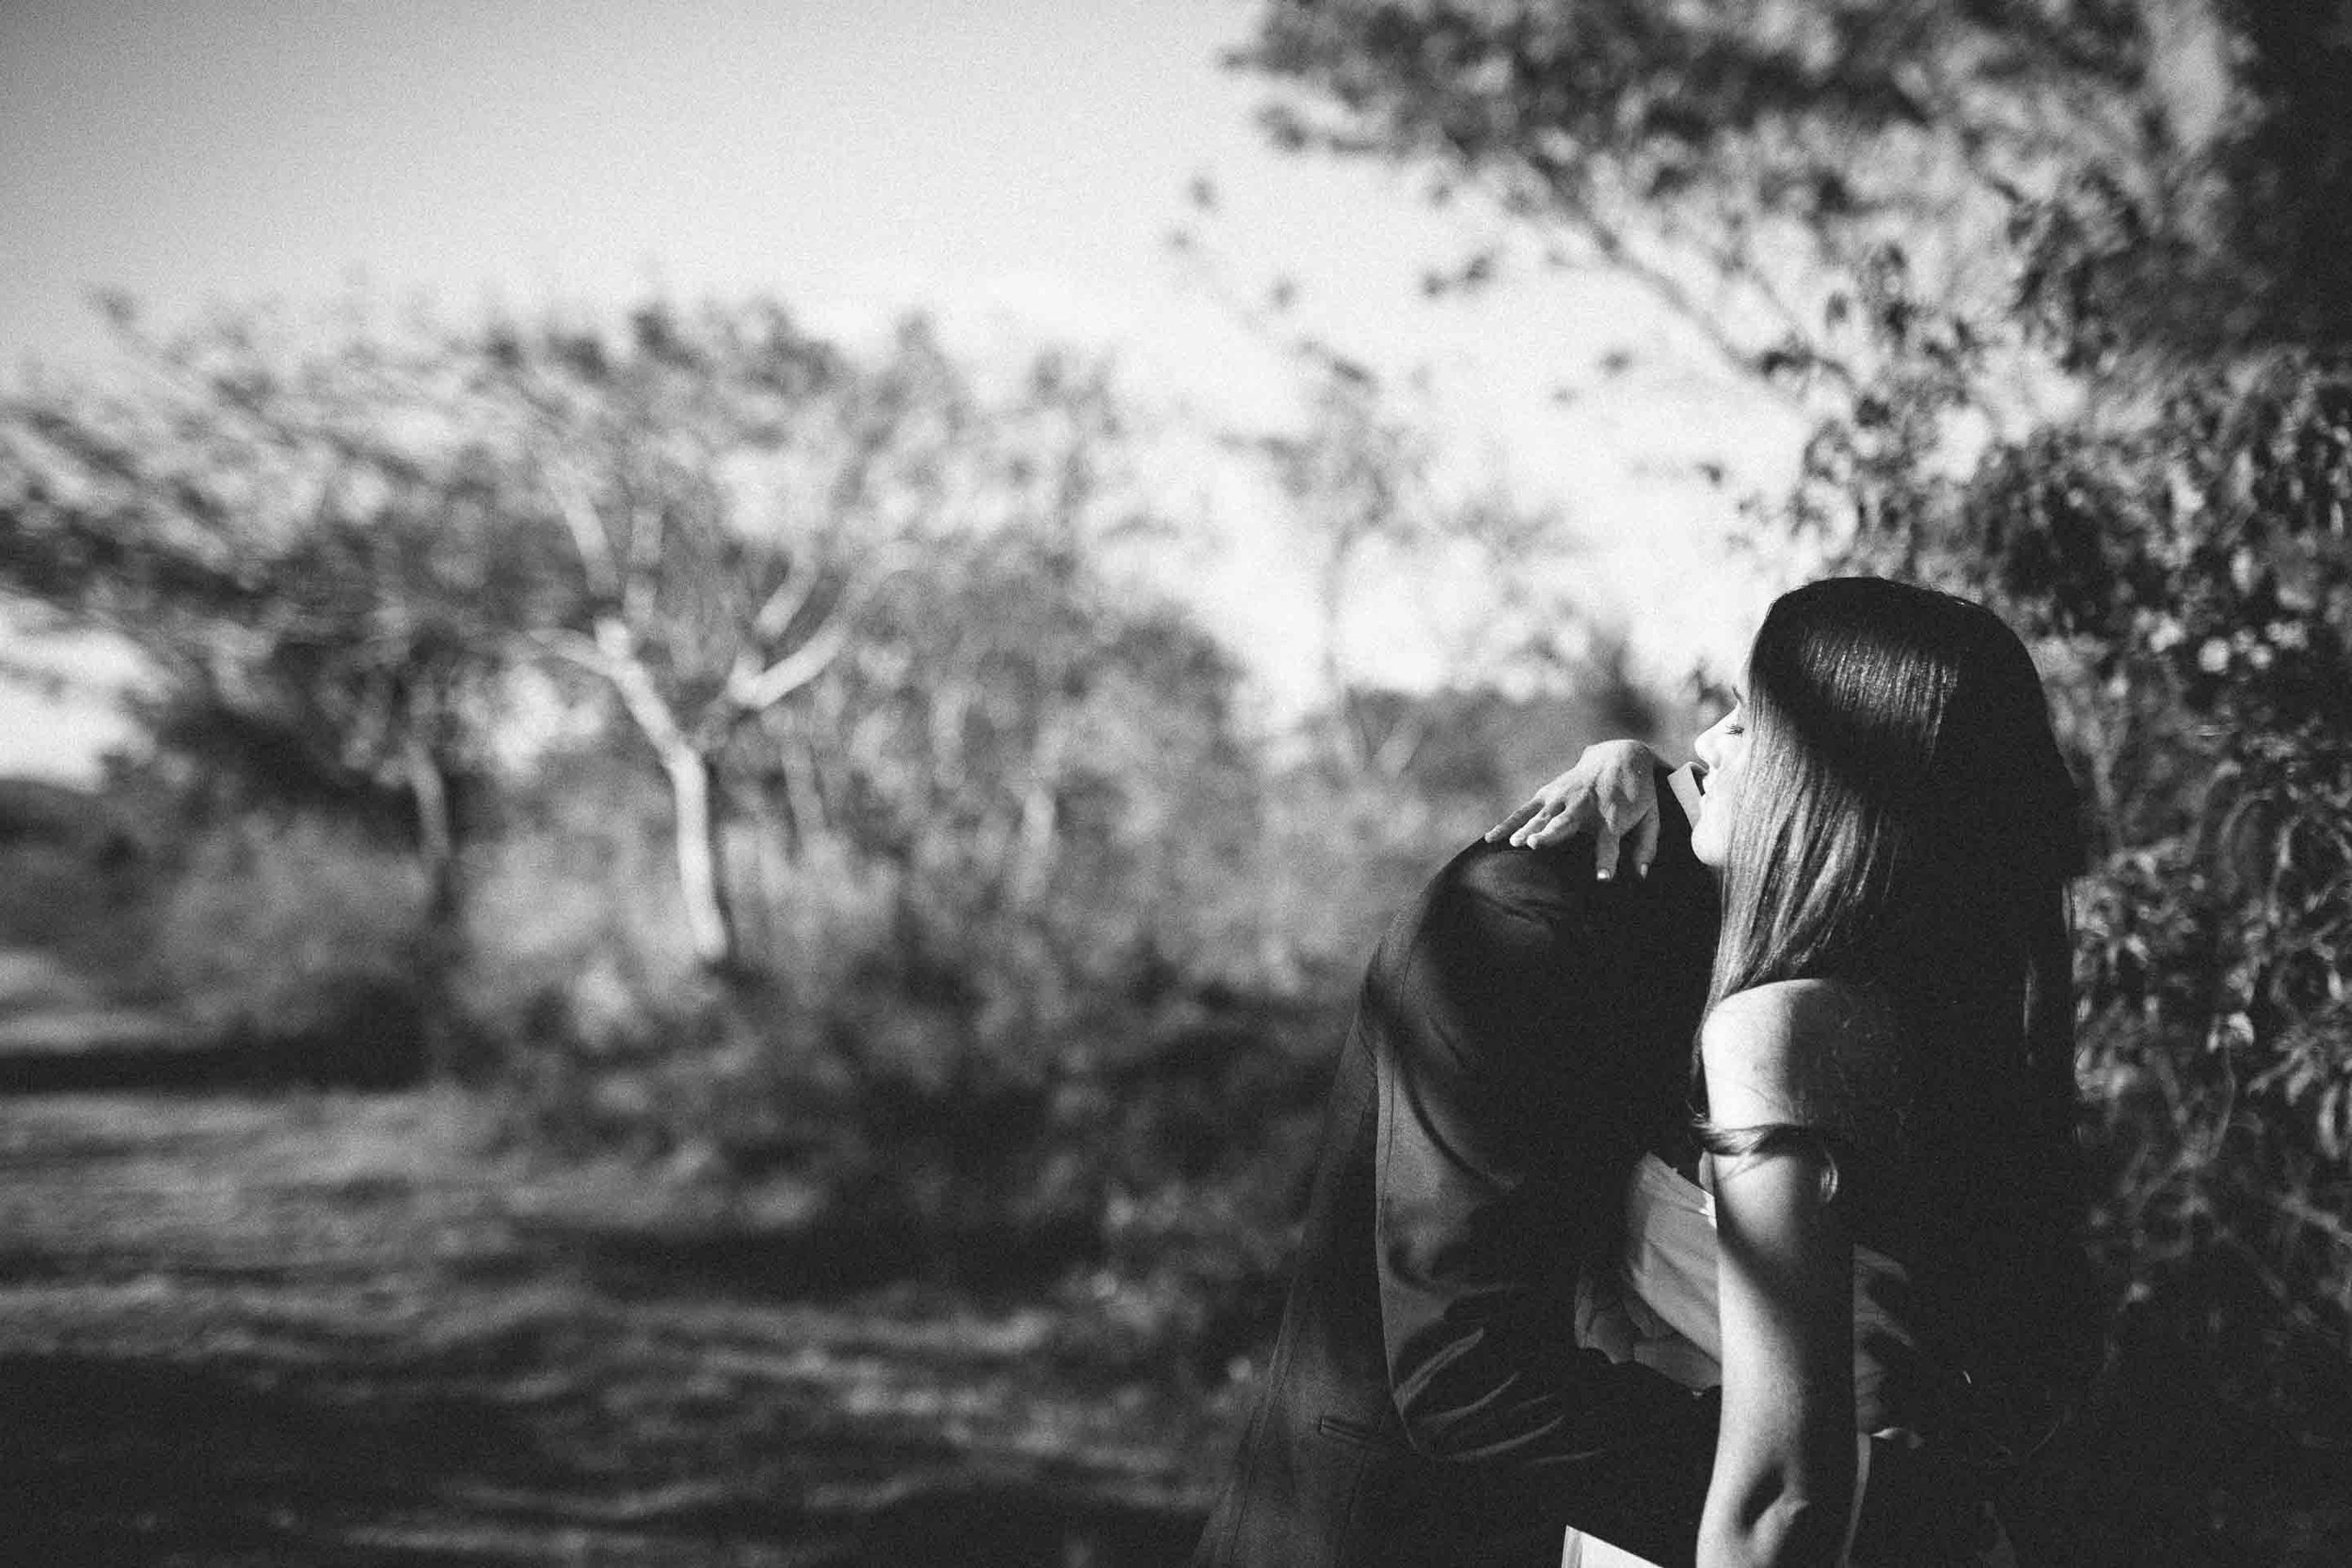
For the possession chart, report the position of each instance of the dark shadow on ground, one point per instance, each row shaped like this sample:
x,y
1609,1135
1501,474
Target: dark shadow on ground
x,y
151,1060
343,1330
828,1257
108,1461
2171,1469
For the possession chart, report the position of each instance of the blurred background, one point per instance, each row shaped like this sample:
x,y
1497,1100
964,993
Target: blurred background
x,y
706,709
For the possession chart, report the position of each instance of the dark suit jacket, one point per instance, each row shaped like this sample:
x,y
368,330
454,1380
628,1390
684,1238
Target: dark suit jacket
x,y
1523,1033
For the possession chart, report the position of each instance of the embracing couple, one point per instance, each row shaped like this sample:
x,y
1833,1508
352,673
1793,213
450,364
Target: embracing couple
x,y
1715,1202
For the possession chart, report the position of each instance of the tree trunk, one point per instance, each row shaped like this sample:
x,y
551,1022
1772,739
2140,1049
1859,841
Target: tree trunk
x,y
803,796
701,866
1348,743
443,943
1040,818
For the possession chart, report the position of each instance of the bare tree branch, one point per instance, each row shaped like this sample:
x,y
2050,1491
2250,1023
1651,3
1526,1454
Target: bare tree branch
x,y
778,612
753,693
577,507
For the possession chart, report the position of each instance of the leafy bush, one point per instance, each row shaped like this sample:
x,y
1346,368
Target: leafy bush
x,y
298,941
74,881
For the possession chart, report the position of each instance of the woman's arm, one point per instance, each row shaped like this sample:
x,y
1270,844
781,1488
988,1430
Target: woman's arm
x,y
1784,1479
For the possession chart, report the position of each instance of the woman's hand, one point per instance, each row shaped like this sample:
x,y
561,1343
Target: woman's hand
x,y
1613,790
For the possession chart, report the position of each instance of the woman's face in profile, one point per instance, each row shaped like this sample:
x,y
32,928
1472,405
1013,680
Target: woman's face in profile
x,y
1723,749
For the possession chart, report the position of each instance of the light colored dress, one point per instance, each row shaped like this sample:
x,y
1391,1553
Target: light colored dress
x,y
1659,1309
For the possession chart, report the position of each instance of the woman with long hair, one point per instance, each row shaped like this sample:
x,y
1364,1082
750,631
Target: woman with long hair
x,y
1873,1230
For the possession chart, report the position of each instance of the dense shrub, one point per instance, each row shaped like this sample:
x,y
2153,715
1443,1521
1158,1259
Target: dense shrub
x,y
299,942
73,880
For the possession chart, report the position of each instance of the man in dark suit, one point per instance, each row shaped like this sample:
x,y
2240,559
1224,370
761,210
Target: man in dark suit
x,y
1523,1033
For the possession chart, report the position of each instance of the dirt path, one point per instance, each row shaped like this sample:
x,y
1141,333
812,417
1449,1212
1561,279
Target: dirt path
x,y
335,1330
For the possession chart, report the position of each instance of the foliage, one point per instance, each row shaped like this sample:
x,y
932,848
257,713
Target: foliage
x,y
341,556
297,943
308,558
1365,488
1004,907
1749,161
722,482
70,867
309,550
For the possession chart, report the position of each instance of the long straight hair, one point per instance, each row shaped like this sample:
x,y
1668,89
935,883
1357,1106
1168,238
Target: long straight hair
x,y
1906,822
1902,790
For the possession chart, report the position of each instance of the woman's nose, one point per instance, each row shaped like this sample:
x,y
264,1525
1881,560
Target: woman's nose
x,y
1703,746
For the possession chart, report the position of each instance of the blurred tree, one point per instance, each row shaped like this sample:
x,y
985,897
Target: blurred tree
x,y
706,473
1040,766
311,556
1359,478
1363,486
737,494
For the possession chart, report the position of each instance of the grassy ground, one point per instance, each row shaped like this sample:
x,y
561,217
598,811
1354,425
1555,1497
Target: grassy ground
x,y
340,1330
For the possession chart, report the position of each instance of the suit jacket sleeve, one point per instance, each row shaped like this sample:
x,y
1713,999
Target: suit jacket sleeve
x,y
1505,1130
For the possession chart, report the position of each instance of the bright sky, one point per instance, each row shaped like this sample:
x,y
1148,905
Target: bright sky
x,y
1015,167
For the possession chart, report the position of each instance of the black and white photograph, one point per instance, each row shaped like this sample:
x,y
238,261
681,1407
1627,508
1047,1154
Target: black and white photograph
x,y
1176,783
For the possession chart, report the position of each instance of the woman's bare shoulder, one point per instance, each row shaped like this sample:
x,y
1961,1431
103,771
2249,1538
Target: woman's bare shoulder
x,y
1813,1053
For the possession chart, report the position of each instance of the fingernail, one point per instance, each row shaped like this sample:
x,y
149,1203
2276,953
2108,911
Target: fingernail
x,y
1603,875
